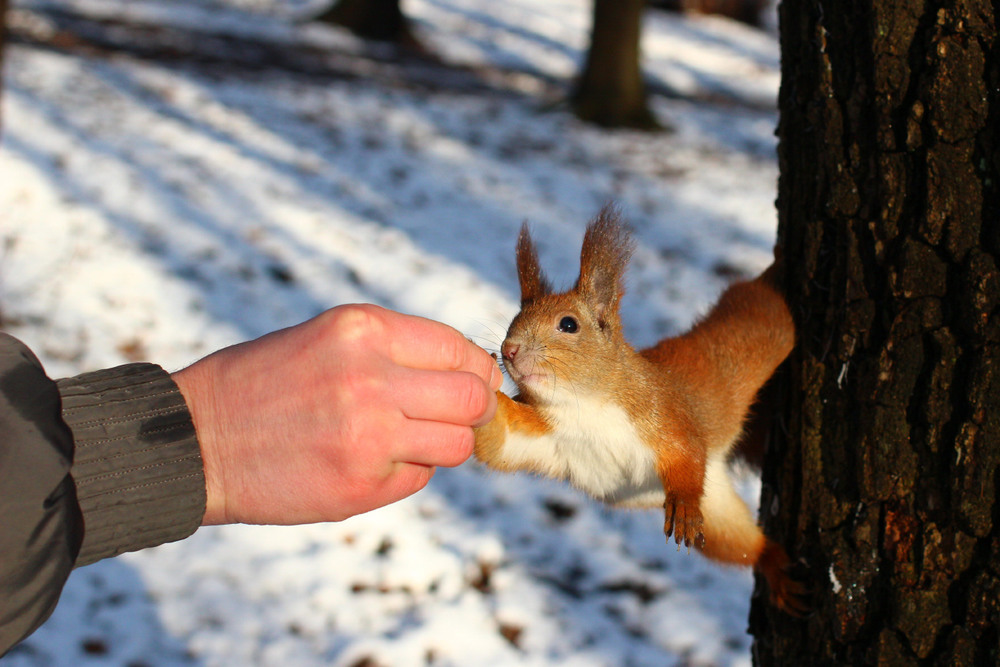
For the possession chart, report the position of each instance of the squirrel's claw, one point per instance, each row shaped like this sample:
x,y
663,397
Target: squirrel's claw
x,y
791,597
787,593
683,520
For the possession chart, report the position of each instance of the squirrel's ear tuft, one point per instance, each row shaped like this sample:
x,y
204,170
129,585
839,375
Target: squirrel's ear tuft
x,y
529,272
607,248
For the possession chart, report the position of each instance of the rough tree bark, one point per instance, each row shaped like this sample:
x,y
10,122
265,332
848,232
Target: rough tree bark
x,y
885,478
610,90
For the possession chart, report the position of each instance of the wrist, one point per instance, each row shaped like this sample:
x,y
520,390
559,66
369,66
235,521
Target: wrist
x,y
196,386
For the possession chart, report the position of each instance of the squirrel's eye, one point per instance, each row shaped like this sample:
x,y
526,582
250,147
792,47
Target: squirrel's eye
x,y
568,325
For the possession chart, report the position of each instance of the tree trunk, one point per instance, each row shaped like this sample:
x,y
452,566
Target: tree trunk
x,y
3,43
885,478
380,20
747,11
610,91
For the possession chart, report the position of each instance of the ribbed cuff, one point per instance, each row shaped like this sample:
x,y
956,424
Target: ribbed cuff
x,y
137,466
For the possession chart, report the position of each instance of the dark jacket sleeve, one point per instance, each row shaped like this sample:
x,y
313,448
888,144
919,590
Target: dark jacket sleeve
x,y
138,470
93,466
41,526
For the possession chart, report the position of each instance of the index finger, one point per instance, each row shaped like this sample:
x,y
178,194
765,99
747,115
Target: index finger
x,y
425,344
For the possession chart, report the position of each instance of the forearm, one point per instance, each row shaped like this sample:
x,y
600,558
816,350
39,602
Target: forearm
x,y
137,465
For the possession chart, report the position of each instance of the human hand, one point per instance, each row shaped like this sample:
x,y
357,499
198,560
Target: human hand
x,y
342,414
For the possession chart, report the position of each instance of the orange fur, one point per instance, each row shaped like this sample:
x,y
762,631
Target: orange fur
x,y
640,429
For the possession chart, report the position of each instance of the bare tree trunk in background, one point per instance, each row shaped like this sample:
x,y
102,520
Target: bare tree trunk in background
x,y
610,91
885,478
381,20
747,11
3,43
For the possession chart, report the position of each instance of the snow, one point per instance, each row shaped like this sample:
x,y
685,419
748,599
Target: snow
x,y
162,208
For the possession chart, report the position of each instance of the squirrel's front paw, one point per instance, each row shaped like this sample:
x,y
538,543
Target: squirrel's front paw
x,y
684,522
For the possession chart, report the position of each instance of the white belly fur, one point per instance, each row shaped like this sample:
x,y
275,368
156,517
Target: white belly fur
x,y
596,448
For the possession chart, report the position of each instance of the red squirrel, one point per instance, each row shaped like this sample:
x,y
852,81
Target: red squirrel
x,y
641,429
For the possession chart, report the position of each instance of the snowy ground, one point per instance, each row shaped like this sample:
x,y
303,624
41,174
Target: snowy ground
x,y
158,204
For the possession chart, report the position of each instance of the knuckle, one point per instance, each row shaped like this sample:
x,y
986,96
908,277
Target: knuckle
x,y
356,389
474,397
464,444
403,482
355,323
453,352
416,478
445,345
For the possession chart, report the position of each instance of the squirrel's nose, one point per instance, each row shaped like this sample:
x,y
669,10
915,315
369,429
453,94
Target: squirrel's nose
x,y
509,350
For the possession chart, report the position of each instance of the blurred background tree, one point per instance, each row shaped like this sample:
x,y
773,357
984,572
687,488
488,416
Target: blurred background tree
x,y
750,12
380,20
3,36
610,90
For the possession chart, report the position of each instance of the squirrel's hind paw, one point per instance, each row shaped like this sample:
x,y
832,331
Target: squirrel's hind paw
x,y
791,597
683,521
787,593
